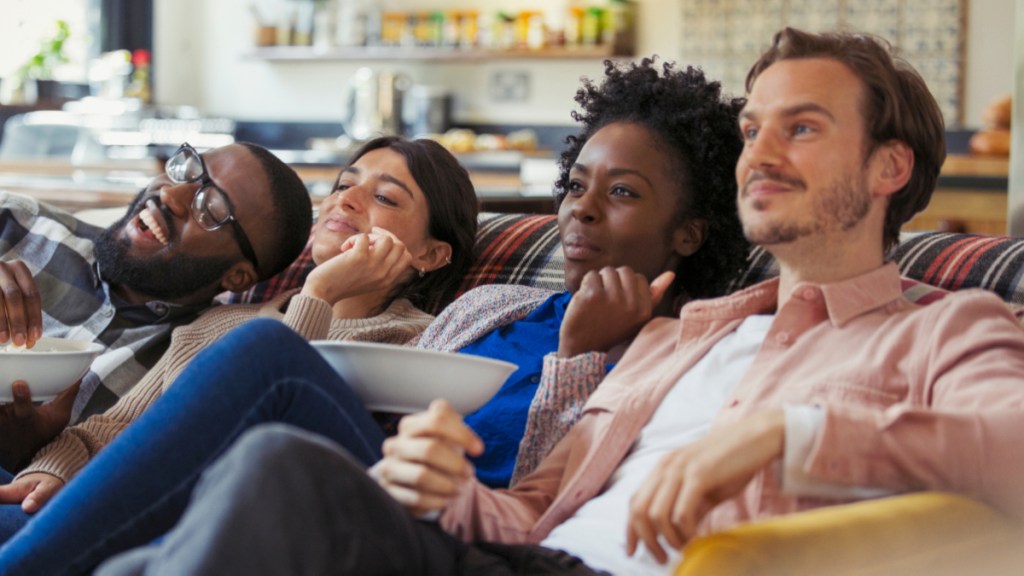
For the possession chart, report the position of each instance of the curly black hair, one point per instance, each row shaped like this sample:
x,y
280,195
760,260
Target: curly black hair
x,y
689,115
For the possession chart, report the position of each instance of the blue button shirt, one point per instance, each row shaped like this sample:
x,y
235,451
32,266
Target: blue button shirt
x,y
502,421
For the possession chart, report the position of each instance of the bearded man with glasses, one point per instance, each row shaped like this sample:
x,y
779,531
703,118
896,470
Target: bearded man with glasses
x,y
182,241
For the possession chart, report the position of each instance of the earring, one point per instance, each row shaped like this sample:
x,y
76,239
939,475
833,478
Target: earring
x,y
447,259
423,272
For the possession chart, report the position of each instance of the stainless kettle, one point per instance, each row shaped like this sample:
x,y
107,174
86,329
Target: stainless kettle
x,y
374,104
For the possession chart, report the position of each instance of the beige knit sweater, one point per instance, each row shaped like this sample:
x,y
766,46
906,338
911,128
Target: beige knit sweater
x,y
310,317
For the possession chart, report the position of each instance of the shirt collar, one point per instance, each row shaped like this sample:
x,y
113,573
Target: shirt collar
x,y
843,300
859,295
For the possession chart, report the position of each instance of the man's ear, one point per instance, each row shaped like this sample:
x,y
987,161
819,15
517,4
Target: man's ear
x,y
240,277
436,254
893,164
689,237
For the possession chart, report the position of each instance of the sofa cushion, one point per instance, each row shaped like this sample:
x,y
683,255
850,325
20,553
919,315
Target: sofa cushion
x,y
510,249
524,249
957,261
517,249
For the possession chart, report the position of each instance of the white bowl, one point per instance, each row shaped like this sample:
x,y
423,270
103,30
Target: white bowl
x,y
391,378
49,367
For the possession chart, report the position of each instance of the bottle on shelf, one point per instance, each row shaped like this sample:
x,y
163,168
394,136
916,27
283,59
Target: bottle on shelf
x,y
351,23
590,26
139,86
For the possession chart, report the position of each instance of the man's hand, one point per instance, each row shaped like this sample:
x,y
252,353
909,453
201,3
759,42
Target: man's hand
x,y
366,263
692,480
21,307
610,307
31,491
425,464
25,428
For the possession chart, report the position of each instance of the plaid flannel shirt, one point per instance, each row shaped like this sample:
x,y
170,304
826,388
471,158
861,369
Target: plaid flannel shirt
x,y
78,304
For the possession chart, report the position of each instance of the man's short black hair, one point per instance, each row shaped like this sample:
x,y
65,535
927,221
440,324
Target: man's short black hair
x,y
292,215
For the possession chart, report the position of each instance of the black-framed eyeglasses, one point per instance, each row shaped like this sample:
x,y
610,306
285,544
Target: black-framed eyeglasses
x,y
211,207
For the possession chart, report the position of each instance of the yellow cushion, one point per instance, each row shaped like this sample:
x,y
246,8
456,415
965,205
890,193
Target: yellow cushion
x,y
925,533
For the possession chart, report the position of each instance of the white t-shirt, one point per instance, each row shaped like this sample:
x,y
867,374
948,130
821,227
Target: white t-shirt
x,y
596,533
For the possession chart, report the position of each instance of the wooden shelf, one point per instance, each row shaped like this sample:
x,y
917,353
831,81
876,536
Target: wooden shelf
x,y
981,166
427,54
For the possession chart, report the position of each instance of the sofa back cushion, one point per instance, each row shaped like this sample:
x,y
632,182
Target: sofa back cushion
x,y
510,249
524,249
936,259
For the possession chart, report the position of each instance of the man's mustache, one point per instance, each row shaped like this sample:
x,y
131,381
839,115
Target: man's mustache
x,y
761,176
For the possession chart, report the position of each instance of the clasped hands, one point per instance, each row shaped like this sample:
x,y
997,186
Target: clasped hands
x,y
425,466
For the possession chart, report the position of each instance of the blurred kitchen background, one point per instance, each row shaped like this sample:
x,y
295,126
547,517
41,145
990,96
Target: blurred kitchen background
x,y
94,94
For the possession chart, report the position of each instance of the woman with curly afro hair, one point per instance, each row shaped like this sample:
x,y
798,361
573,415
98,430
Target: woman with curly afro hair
x,y
685,115
647,218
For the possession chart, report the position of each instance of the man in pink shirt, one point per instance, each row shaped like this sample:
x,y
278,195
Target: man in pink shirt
x,y
822,386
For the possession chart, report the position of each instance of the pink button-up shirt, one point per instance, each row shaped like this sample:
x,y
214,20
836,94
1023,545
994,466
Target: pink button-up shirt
x,y
915,398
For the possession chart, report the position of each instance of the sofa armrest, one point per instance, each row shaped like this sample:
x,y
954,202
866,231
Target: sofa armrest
x,y
924,533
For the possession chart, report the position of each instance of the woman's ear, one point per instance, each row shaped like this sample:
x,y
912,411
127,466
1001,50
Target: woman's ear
x,y
893,166
689,237
435,255
240,277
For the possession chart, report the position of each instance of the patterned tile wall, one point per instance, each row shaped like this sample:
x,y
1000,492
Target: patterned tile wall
x,y
726,36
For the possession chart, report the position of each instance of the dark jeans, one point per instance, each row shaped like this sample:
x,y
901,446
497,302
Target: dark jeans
x,y
283,501
137,487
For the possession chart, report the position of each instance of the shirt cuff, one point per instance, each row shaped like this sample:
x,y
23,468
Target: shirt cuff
x,y
803,426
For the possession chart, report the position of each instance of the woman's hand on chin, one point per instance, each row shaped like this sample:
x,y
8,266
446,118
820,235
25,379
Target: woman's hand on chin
x,y
366,263
610,307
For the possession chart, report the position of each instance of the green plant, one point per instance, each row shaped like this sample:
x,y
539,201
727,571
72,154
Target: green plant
x,y
50,55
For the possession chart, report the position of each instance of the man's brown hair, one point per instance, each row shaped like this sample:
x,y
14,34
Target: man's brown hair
x,y
898,106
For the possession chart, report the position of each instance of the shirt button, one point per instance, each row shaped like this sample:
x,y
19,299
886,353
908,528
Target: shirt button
x,y
160,309
782,338
108,313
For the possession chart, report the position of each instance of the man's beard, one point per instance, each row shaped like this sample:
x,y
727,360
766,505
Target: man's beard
x,y
169,278
841,208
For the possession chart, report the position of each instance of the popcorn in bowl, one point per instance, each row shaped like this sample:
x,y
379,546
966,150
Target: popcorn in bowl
x,y
49,367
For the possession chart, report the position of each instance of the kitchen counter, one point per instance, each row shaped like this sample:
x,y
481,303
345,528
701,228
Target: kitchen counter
x,y
77,187
971,196
504,180
971,193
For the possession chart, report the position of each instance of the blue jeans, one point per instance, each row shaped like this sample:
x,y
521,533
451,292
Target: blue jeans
x,y
137,487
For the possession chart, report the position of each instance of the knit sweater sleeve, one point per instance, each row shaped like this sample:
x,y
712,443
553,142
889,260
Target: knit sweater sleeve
x,y
565,385
72,449
308,316
399,324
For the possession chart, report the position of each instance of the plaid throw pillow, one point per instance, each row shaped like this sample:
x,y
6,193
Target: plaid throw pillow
x,y
517,249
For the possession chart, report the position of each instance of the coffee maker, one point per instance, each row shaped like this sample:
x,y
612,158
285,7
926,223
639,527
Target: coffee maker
x,y
427,110
374,104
